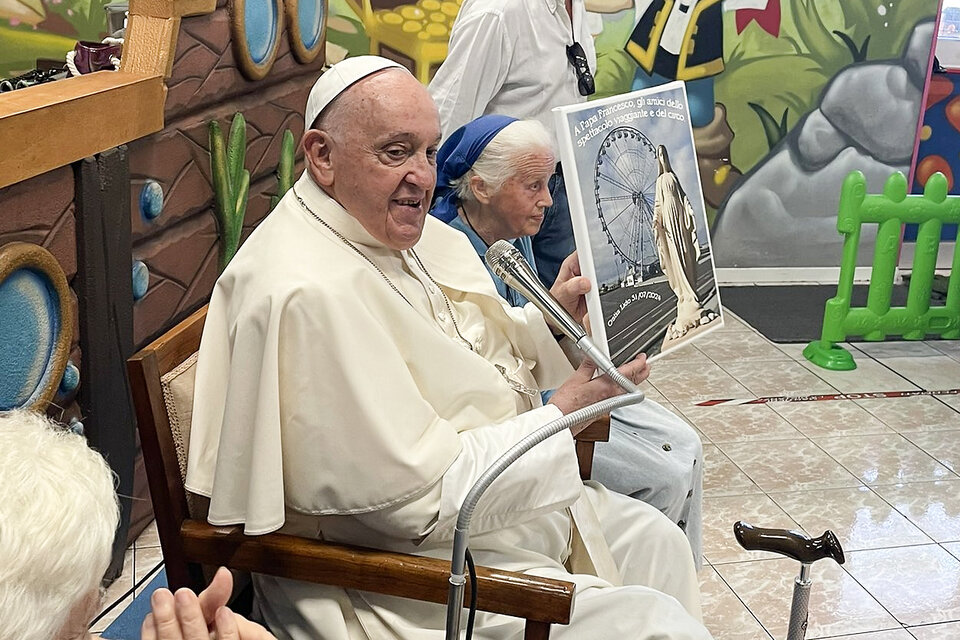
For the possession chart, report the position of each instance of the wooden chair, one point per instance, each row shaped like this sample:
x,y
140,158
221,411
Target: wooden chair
x,y
161,380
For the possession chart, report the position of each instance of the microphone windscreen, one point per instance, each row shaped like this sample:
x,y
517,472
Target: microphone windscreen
x,y
496,252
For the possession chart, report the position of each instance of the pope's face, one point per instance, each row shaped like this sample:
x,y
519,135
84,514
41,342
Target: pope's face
x,y
519,206
384,162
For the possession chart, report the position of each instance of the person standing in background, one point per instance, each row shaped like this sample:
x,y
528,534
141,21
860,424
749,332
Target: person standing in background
x,y
520,58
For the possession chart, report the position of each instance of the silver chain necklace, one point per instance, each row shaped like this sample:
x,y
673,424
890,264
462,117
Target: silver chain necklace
x,y
463,341
515,384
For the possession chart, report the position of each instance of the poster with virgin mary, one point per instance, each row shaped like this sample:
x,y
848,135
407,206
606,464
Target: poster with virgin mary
x,y
639,220
675,234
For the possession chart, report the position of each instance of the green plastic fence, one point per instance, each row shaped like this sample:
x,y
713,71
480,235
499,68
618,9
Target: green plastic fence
x,y
878,319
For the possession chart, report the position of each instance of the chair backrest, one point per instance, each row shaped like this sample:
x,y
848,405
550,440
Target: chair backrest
x,y
161,381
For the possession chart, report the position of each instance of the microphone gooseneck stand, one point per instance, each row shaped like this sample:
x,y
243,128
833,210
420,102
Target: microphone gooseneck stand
x,y
509,264
462,530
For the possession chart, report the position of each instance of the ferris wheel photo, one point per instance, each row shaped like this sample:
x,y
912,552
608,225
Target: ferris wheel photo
x,y
638,214
625,176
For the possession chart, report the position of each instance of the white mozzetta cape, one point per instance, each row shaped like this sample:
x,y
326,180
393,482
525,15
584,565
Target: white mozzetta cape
x,y
320,389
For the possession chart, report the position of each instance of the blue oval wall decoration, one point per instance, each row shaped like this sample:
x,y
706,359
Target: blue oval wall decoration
x,y
35,326
306,28
151,199
255,32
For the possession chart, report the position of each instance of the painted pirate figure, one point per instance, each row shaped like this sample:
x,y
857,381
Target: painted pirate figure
x,y
678,39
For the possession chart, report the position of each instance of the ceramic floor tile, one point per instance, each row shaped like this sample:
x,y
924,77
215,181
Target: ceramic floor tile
x,y
792,349
777,378
686,353
739,422
683,382
724,615
869,376
952,547
884,459
795,349
858,516
147,560
838,605
915,413
788,465
732,322
735,346
942,445
918,585
892,634
932,506
948,631
934,372
721,477
719,515
110,616
948,347
829,418
117,588
951,401
897,349
149,537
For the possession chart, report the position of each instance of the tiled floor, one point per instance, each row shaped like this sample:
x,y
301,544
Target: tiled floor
x,y
881,473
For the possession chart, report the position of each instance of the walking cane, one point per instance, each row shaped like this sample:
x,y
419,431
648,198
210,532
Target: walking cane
x,y
801,548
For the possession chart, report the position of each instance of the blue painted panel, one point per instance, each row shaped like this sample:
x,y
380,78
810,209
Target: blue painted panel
x,y
260,25
310,14
29,323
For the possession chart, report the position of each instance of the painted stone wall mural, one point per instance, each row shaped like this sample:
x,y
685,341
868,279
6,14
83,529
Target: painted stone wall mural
x,y
827,102
175,228
31,29
787,97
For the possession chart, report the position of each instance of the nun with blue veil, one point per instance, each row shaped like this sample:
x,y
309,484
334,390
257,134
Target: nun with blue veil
x,y
492,177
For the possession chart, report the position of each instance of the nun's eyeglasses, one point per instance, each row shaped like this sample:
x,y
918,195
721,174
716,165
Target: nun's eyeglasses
x,y
578,59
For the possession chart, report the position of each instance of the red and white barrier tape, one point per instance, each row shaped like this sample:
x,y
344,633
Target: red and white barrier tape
x,y
826,396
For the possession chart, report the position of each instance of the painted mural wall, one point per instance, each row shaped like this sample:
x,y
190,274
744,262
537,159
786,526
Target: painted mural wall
x,y
787,97
46,29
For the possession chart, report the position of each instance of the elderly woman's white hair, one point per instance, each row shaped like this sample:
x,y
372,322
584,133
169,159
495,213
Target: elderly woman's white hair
x,y
497,162
58,516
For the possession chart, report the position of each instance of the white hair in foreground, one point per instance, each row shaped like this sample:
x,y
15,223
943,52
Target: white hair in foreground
x,y
496,163
58,515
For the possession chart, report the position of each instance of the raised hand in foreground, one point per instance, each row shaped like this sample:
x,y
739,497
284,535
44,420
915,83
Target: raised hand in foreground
x,y
186,616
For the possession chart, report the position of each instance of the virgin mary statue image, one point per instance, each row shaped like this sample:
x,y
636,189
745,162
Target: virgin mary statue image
x,y
675,233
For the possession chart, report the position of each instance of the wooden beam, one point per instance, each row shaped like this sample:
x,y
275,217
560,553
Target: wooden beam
x,y
54,124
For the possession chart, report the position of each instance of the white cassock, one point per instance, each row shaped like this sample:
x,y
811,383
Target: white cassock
x,y
339,402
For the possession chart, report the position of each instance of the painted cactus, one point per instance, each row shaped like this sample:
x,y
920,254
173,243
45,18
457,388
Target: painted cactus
x,y
285,168
231,184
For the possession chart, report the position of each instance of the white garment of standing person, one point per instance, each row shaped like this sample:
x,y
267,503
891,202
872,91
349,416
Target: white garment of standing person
x,y
509,57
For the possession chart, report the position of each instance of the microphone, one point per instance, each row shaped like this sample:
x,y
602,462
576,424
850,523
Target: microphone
x,y
508,263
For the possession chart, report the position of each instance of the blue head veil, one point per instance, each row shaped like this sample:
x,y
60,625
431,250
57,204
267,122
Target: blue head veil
x,y
456,157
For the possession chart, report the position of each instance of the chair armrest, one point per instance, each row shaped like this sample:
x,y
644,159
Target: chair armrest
x,y
596,431
396,574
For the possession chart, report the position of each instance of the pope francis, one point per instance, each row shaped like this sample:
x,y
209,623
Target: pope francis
x,y
358,372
